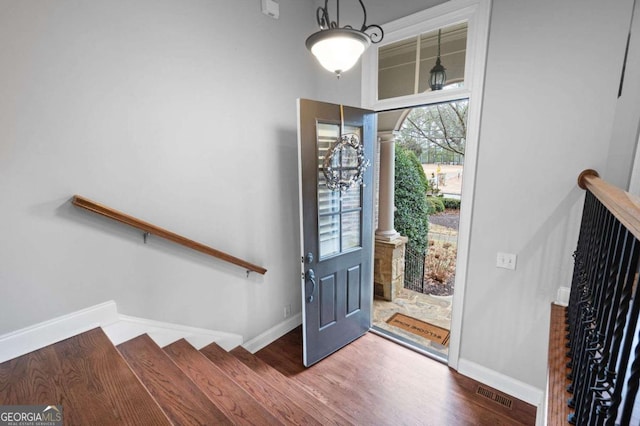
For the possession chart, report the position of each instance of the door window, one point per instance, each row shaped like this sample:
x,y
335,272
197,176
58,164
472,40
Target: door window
x,y
339,212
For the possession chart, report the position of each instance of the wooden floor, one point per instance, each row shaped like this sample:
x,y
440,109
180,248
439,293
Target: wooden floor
x,y
377,382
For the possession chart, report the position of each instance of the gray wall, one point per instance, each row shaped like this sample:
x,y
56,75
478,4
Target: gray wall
x,y
182,113
547,115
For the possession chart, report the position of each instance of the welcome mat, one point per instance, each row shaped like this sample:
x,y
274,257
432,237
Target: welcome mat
x,y
423,329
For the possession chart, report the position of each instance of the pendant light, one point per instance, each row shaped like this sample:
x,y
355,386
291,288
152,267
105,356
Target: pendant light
x,y
339,48
438,76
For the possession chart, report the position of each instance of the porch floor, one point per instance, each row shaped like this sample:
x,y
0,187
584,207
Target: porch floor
x,y
435,310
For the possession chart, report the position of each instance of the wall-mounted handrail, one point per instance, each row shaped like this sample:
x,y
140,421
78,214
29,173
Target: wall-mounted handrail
x,y
116,215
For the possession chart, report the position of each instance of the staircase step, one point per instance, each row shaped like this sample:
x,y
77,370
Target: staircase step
x,y
87,376
232,400
268,394
182,401
301,395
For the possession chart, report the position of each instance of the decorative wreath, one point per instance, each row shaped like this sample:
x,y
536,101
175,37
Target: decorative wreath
x,y
341,178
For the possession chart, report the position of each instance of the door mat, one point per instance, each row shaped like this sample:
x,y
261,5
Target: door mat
x,y
420,328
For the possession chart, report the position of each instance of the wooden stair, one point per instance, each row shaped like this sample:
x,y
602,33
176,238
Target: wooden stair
x,y
140,383
182,401
87,376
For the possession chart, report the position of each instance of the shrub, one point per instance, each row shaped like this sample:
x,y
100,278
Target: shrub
x,y
436,204
412,211
451,203
441,261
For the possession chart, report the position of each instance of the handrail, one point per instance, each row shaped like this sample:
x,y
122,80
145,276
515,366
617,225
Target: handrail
x,y
148,228
624,206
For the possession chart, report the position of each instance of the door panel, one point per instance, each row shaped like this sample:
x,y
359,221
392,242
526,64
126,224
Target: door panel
x,y
336,225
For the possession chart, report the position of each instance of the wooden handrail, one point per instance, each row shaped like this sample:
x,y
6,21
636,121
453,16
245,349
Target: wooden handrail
x,y
116,215
624,206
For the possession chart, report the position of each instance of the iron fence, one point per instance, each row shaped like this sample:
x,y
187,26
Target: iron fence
x,y
414,264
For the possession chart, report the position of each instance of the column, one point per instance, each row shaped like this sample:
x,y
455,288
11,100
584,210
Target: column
x,y
386,231
390,245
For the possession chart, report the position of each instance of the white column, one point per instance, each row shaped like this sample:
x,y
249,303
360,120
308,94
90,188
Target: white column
x,y
386,206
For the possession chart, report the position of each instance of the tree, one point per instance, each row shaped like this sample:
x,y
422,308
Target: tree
x,y
411,217
442,125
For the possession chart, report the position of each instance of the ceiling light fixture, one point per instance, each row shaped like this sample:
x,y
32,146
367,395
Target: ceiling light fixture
x,y
438,76
339,48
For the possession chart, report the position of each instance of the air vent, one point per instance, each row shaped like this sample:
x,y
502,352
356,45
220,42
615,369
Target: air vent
x,y
500,399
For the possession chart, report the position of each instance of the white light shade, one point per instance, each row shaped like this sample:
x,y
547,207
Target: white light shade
x,y
338,49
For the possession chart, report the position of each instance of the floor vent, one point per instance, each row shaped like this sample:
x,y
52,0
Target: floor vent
x,y
500,399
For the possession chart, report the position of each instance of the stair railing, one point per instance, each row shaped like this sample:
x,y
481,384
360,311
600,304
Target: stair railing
x,y
604,305
150,229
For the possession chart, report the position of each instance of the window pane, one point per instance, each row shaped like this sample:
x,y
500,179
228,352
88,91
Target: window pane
x,y
350,230
329,235
397,61
328,200
397,69
327,135
351,198
453,48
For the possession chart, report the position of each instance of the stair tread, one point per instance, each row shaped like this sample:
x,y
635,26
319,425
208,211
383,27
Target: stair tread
x,y
87,376
301,395
234,401
182,401
270,395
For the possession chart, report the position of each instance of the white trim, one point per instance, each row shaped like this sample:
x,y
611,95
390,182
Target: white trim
x,y
562,298
477,14
499,381
272,334
28,339
164,333
118,328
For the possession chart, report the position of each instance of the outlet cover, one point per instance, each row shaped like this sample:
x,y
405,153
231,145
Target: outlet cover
x,y
506,261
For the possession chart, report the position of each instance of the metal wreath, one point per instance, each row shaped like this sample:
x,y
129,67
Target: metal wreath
x,y
334,176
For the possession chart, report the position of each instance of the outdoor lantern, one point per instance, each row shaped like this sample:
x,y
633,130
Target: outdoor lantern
x,y
438,76
339,48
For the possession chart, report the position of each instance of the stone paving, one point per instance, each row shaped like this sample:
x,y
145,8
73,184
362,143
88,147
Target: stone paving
x,y
435,310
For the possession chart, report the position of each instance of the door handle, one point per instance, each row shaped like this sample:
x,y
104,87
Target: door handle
x,y
311,276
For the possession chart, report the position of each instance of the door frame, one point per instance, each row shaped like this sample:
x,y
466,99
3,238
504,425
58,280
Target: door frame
x,y
477,14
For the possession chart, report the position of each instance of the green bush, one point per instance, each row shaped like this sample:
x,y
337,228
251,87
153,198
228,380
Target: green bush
x,y
412,211
436,204
451,203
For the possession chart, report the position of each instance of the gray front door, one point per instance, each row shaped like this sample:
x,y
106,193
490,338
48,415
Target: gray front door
x,y
335,145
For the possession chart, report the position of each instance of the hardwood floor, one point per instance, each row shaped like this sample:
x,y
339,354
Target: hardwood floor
x,y
377,382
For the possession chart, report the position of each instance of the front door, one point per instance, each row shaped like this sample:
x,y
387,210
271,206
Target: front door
x,y
335,146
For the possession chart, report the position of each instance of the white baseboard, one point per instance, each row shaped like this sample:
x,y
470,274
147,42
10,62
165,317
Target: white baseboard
x,y
164,333
499,381
117,327
28,339
562,297
273,334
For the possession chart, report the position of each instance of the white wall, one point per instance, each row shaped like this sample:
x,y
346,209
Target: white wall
x,y
547,115
180,112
